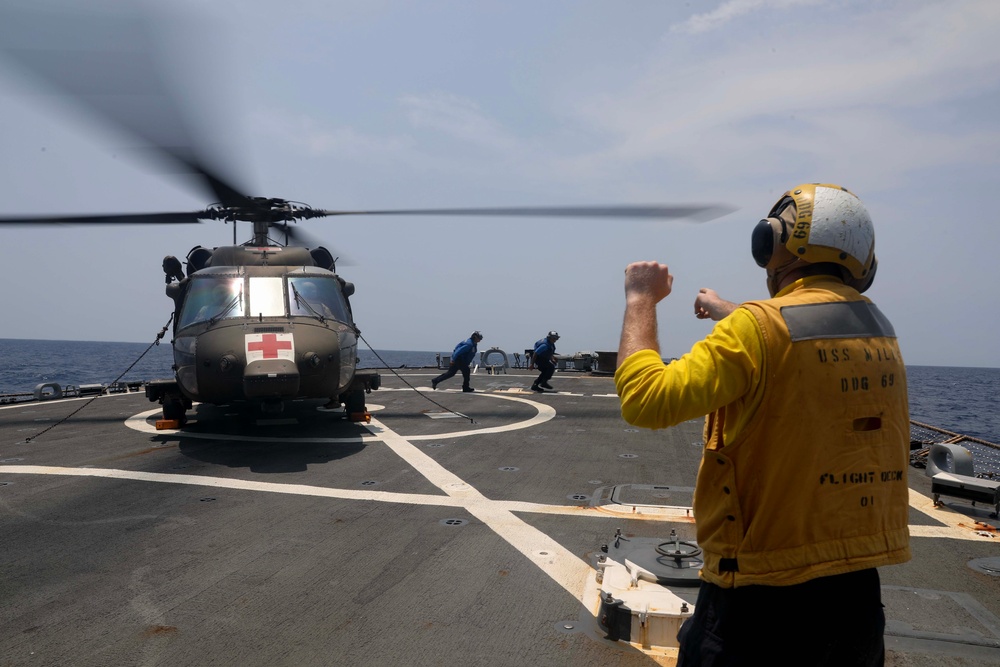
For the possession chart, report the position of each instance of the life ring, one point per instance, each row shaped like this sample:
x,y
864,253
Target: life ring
x,y
485,358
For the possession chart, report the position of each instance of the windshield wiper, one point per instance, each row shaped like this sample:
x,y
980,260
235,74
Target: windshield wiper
x,y
225,309
301,300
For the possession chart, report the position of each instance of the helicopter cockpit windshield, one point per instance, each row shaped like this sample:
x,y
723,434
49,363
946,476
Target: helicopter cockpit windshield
x,y
212,298
215,297
316,296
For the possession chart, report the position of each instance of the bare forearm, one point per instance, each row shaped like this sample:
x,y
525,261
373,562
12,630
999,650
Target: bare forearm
x,y
639,328
646,284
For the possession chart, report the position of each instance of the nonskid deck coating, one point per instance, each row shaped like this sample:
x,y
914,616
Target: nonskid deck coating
x,y
308,540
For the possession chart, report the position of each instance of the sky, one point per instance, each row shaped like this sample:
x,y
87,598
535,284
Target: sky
x,y
381,104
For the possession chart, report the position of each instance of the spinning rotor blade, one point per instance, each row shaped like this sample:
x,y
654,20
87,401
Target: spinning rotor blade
x,y
111,219
102,61
697,213
296,235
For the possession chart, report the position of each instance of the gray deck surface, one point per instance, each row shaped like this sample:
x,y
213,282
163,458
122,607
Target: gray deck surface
x,y
416,540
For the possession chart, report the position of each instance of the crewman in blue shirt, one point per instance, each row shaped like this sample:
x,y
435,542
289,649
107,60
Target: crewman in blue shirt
x,y
461,357
544,360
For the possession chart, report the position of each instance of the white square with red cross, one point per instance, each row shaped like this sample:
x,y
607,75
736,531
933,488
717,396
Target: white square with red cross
x,y
269,346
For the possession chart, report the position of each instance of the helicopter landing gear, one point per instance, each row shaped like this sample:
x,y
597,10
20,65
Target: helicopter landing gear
x,y
173,410
354,398
174,403
354,406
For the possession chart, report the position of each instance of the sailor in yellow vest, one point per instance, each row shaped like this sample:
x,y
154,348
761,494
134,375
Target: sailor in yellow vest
x,y
801,492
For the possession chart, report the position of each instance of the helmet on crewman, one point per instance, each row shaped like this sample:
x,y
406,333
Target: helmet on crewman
x,y
553,335
476,336
817,223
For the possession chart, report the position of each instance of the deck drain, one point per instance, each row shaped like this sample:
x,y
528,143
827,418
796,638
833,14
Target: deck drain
x,y
6,483
628,456
208,500
453,522
436,444
631,430
509,469
369,482
579,497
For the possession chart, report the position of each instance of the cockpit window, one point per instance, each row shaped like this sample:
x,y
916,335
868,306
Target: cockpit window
x,y
266,297
316,296
212,298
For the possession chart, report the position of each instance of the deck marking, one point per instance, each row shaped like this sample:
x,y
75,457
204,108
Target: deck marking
x,y
954,528
561,565
956,525
445,415
237,484
138,422
298,489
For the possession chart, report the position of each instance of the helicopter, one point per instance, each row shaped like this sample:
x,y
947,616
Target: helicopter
x,y
263,322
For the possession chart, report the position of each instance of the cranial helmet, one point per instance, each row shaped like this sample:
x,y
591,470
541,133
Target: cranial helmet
x,y
476,334
553,335
819,223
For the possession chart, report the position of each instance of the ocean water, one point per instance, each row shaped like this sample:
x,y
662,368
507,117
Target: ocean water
x,y
26,363
963,400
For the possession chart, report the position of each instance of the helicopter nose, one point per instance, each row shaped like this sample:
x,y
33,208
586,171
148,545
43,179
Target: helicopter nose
x,y
271,378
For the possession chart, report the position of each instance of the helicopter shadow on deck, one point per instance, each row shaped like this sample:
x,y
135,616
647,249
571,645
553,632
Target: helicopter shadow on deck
x,y
245,434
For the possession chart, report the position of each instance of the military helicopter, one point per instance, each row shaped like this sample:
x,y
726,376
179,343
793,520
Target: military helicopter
x,y
262,322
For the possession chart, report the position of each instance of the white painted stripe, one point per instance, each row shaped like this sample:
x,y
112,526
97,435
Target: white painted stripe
x,y
56,401
298,489
139,423
954,525
445,415
237,484
562,565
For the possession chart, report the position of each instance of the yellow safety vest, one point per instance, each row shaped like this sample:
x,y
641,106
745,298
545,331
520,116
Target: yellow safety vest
x,y
815,485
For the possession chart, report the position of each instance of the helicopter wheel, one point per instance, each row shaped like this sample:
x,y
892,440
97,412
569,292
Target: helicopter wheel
x,y
354,406
173,409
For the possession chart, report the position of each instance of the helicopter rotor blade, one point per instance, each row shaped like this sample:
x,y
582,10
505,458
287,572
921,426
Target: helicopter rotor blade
x,y
296,235
103,62
697,213
111,219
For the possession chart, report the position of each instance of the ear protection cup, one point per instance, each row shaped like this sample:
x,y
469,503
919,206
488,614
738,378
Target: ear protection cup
x,y
765,238
863,284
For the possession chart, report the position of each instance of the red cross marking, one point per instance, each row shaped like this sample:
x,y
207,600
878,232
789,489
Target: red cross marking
x,y
269,345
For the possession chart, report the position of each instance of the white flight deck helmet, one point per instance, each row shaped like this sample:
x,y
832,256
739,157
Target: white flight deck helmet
x,y
818,223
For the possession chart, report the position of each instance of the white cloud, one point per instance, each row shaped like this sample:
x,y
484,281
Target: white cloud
x,y
460,118
843,91
734,9
319,138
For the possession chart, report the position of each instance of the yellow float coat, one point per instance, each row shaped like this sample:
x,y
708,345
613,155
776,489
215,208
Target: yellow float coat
x,y
807,435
